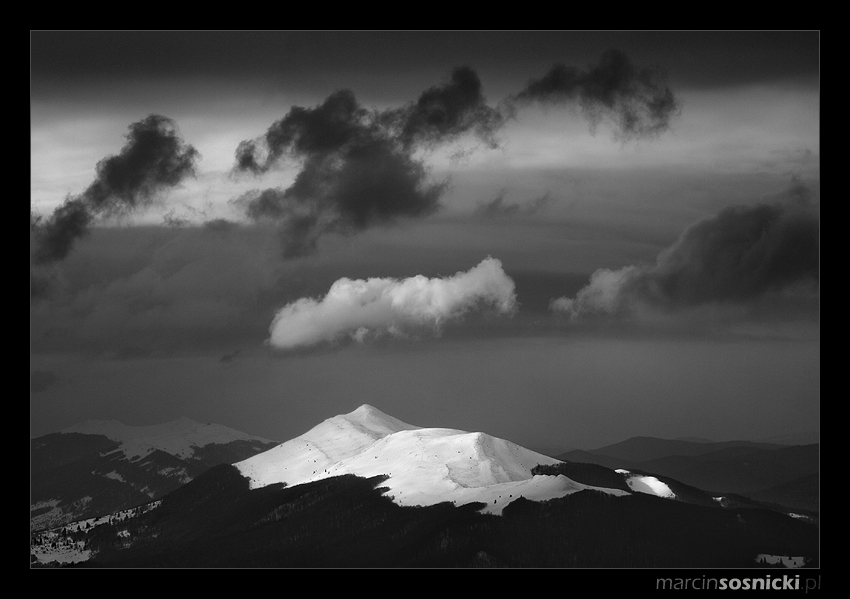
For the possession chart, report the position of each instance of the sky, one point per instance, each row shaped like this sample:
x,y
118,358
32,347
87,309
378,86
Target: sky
x,y
560,238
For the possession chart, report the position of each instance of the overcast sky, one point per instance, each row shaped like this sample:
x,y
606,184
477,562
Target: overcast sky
x,y
563,239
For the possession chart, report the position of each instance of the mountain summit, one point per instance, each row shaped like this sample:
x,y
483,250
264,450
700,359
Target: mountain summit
x,y
424,466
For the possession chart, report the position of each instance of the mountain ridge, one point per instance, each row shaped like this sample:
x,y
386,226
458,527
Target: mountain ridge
x,y
177,437
645,448
366,489
781,472
103,466
423,466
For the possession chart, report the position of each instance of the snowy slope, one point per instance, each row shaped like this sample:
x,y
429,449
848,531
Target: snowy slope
x,y
425,465
179,438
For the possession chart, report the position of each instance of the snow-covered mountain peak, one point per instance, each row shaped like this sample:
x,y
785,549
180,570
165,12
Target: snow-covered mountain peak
x,y
424,465
373,419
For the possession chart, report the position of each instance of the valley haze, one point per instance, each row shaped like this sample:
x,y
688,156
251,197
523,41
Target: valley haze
x,y
562,238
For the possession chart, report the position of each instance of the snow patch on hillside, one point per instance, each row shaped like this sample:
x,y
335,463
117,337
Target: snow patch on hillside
x,y
57,513
178,473
425,466
56,545
650,485
788,561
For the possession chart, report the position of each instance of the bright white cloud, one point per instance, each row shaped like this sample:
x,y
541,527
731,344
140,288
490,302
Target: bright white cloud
x,y
358,308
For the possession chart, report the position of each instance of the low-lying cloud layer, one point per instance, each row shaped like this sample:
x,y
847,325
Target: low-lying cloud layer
x,y
737,256
154,159
362,308
359,167
158,290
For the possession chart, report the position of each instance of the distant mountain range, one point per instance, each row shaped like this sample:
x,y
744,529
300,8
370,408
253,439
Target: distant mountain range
x,y
642,449
98,467
366,489
783,474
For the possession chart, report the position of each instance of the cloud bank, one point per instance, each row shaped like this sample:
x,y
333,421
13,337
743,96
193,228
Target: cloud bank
x,y
362,308
154,159
359,167
160,290
737,256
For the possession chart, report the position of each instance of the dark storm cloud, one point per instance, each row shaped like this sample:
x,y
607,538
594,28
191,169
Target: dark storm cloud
x,y
55,236
309,132
154,159
357,167
737,256
448,111
360,168
498,207
363,196
740,254
636,100
299,224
